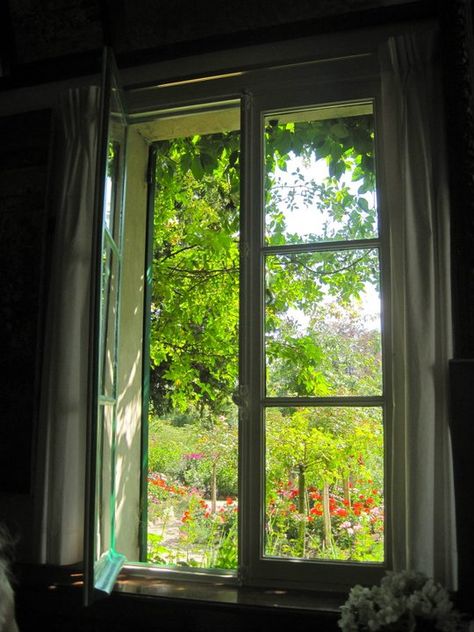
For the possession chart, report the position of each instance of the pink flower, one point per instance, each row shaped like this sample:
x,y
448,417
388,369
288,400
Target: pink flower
x,y
194,456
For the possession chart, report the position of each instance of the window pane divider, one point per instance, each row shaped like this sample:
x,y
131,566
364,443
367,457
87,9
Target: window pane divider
x,y
350,244
356,400
111,242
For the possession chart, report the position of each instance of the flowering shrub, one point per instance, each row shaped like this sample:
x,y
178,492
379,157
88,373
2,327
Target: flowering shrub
x,y
186,530
406,601
296,527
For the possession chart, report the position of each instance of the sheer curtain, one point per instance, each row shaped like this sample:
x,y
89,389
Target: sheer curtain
x,y
417,199
62,440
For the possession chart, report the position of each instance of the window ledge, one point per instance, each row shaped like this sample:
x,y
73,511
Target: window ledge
x,y
217,592
52,596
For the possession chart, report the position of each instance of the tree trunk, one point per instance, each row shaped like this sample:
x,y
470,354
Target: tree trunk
x,y
214,488
326,517
347,490
301,489
302,508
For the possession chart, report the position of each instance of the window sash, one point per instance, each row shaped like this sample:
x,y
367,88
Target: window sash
x,y
257,569
102,563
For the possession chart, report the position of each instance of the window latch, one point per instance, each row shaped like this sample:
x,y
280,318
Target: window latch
x,y
240,396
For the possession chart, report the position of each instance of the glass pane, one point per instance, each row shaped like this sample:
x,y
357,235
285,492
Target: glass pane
x,y
115,168
322,324
320,176
109,306
324,484
193,423
104,493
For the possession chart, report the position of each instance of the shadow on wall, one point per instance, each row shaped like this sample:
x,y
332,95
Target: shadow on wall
x,y
7,597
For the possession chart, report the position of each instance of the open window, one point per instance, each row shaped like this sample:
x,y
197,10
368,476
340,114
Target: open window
x,y
247,413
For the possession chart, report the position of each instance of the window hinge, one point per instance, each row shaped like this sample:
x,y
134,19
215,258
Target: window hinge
x,y
241,397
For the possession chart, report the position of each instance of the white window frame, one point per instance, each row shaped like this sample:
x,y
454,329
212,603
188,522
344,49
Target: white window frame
x,y
321,574
333,76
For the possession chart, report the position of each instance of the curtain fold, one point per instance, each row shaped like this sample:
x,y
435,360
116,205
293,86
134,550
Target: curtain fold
x,y
423,529
63,416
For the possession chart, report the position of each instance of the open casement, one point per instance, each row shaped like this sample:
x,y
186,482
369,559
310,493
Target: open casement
x,y
103,558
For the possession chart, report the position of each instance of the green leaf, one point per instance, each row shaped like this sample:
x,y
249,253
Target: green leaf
x,y
339,130
197,168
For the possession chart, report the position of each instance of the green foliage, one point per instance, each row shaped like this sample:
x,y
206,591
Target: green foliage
x,y
157,553
317,343
195,311
194,325
165,449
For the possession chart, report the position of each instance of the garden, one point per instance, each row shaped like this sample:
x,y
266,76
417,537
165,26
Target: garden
x,y
324,491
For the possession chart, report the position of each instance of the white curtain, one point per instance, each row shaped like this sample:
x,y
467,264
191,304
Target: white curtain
x,y
423,527
62,439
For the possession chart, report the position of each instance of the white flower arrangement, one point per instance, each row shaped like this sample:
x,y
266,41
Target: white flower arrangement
x,y
405,601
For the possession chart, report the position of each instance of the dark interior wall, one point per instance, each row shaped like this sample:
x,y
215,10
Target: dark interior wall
x,y
44,29
41,37
24,152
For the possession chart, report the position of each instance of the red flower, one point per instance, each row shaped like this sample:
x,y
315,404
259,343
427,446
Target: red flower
x,y
292,507
159,482
341,512
229,500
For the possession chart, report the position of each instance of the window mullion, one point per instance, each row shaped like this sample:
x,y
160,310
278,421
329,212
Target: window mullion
x,y
251,352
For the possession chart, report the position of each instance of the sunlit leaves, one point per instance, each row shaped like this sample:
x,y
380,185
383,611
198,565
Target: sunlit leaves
x,y
196,269
194,333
